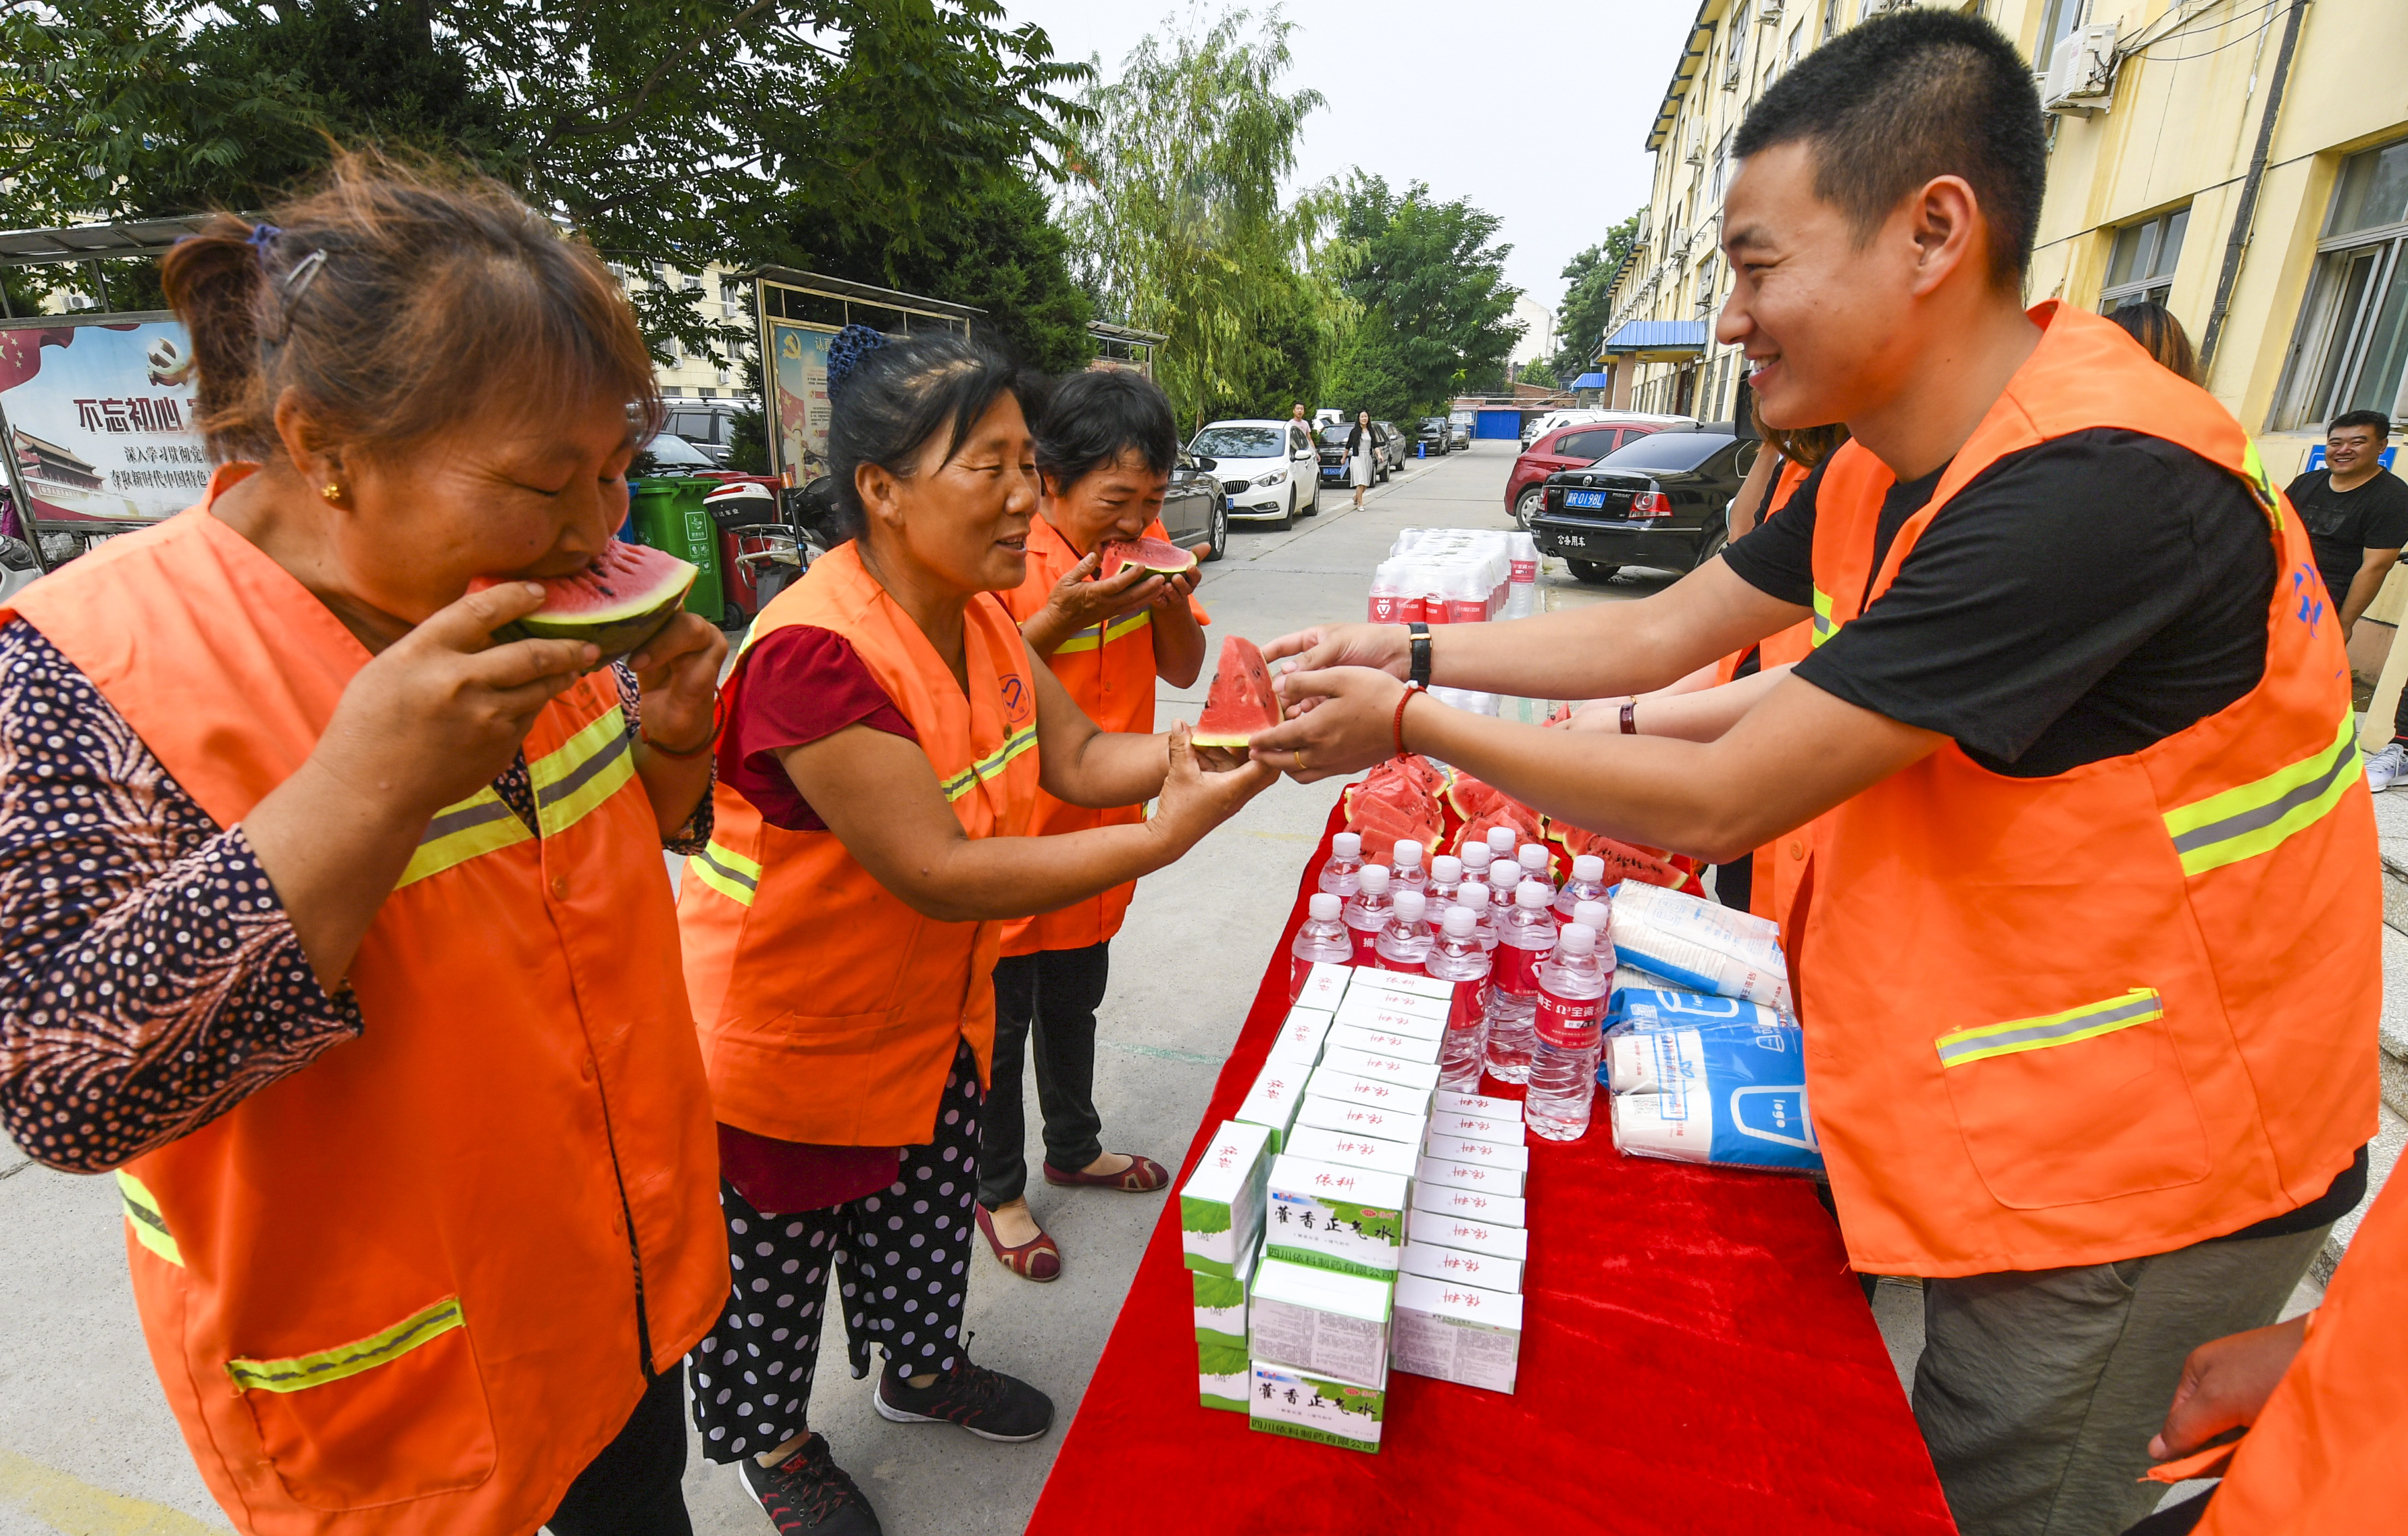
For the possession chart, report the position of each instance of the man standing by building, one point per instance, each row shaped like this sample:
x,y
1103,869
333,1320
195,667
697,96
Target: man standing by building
x,y
2087,948
2357,517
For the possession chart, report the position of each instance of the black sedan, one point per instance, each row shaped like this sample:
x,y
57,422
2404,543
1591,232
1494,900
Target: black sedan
x,y
1437,436
1661,501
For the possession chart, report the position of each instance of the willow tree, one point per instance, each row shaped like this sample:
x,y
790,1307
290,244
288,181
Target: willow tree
x,y
1176,214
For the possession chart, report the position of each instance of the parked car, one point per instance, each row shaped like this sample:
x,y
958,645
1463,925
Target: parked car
x,y
1437,436
1547,421
1662,501
1268,469
1392,444
709,425
1572,446
1333,452
1195,510
669,454
1458,435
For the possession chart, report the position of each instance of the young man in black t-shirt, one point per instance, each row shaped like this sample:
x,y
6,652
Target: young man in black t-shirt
x,y
2357,517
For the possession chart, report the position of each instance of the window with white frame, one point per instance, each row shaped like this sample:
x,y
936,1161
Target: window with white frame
x,y
2141,265
1831,18
2351,349
1735,49
1722,166
2061,20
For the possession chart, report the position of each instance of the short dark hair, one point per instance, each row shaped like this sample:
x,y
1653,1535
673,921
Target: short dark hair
x,y
885,410
1095,416
1906,97
2376,420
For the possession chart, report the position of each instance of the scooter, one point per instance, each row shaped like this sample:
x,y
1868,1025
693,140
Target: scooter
x,y
759,552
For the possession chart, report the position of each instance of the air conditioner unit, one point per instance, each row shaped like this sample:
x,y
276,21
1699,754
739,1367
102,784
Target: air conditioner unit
x,y
1696,155
2082,73
1768,13
1646,224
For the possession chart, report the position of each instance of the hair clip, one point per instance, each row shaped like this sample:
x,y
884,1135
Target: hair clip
x,y
305,272
850,345
260,238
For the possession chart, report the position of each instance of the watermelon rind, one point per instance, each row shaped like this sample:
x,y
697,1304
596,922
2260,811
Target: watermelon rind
x,y
1162,559
628,595
1242,701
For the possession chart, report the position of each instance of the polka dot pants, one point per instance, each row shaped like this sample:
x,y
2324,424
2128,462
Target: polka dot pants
x,y
901,1259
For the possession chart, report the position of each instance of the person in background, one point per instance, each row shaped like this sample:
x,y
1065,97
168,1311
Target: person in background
x,y
1106,445
884,740
2161,336
2357,516
1362,454
1296,414
341,930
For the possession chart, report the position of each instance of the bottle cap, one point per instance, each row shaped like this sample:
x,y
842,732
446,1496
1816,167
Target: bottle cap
x,y
1410,905
1459,922
1324,906
1346,846
1501,840
1409,854
1577,938
1476,856
1375,879
1531,894
1475,898
1504,873
1446,869
1534,857
1591,913
1589,867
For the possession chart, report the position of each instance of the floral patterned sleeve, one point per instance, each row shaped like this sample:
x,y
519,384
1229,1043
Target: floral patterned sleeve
x,y
149,979
691,837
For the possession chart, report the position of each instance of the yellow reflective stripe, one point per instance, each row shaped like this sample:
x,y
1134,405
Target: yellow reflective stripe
x,y
985,768
583,772
1822,625
1087,639
1096,635
726,872
142,1214
480,824
1129,625
2254,819
302,1372
2262,483
2092,1020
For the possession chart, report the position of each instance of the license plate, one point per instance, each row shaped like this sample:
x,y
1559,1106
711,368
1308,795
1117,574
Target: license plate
x,y
1585,498
1572,541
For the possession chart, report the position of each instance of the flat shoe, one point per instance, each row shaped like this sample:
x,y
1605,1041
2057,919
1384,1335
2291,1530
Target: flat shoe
x,y
1143,1175
1038,1259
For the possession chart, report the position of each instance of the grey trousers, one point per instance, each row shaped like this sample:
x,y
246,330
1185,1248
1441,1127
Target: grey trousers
x,y
2039,1389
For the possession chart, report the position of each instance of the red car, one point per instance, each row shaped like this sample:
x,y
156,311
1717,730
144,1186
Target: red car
x,y
1576,446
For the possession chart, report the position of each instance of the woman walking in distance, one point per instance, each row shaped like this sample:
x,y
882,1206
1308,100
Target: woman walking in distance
x,y
1362,455
339,929
883,739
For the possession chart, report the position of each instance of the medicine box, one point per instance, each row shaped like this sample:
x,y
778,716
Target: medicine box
x,y
1320,1321
1473,1103
1324,985
1378,1042
1415,985
1271,1101
1462,1267
1457,1333
1392,1013
1474,1236
1338,1217
1455,1174
1221,1207
1391,1068
1298,1041
1222,1358
1472,1204
1305,1407
1352,1148
1478,1128
1328,1083
1500,1154
1389,1125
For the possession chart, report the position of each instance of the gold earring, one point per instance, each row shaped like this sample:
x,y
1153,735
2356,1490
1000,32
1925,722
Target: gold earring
x,y
332,490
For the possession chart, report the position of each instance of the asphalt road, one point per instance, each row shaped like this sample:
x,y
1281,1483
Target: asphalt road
x,y
87,1445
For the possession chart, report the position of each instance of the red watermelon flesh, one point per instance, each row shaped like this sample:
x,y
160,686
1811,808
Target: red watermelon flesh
x,y
1395,801
1483,807
1156,555
1242,701
1623,860
625,597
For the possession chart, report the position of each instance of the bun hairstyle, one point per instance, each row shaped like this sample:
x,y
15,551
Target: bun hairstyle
x,y
395,302
887,398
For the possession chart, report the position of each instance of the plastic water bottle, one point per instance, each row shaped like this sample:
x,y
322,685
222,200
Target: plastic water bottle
x,y
1572,987
1522,586
1445,880
1501,841
1538,864
1405,872
1474,900
1457,957
1503,875
1475,857
1587,884
1404,945
1367,912
1466,593
1525,933
1343,874
1323,940
1387,596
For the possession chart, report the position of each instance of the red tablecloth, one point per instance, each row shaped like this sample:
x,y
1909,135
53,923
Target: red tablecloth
x,y
1696,1358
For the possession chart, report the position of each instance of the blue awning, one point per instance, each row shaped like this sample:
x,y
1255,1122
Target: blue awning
x,y
1591,381
1652,340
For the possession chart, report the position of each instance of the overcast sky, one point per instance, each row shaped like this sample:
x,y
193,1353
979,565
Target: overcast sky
x,y
1536,110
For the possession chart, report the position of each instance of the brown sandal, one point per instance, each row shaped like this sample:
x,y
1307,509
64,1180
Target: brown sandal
x,y
1038,1259
1142,1177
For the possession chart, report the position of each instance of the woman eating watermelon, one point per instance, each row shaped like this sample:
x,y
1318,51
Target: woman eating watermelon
x,y
884,741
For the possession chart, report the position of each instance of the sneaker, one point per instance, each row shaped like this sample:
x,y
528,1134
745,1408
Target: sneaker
x,y
2387,767
808,1492
987,1403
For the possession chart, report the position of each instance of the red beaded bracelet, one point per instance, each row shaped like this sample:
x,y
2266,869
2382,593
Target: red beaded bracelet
x,y
1399,725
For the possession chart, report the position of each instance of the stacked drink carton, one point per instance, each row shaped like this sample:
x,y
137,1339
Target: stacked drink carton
x,y
1388,1228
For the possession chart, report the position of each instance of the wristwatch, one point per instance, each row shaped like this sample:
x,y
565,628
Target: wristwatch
x,y
1420,641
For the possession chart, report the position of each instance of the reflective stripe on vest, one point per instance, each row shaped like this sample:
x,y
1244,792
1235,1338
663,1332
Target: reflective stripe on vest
x,y
2254,819
2137,1006
583,772
302,1372
987,767
142,1216
482,823
1096,635
726,872
1822,620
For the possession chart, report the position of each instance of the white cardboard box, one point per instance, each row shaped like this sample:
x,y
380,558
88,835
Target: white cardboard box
x,y
1478,1128
1299,1038
1461,1267
1389,1125
1327,1082
1416,984
1454,1231
1353,1148
1392,1013
1454,1174
1498,1154
1324,985
1320,1321
1352,1037
1289,1402
1473,1204
1392,1068
1271,1101
1350,1219
1457,1333
1222,1358
1473,1103
1221,1206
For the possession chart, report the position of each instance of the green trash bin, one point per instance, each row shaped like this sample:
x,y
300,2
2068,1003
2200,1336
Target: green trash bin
x,y
668,516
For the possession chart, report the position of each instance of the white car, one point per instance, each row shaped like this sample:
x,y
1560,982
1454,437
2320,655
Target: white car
x,y
1539,427
1270,469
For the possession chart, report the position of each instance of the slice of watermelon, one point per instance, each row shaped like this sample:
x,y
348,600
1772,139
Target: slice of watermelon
x,y
625,597
1395,800
1156,555
1242,700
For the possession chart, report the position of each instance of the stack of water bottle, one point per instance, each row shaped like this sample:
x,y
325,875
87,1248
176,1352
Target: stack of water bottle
x,y
1456,575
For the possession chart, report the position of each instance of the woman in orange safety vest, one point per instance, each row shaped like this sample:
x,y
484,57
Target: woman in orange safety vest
x,y
884,740
339,930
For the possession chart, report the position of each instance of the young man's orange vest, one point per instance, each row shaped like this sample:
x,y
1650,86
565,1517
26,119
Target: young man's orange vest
x,y
1108,669
1779,864
2127,1008
830,1011
398,1291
